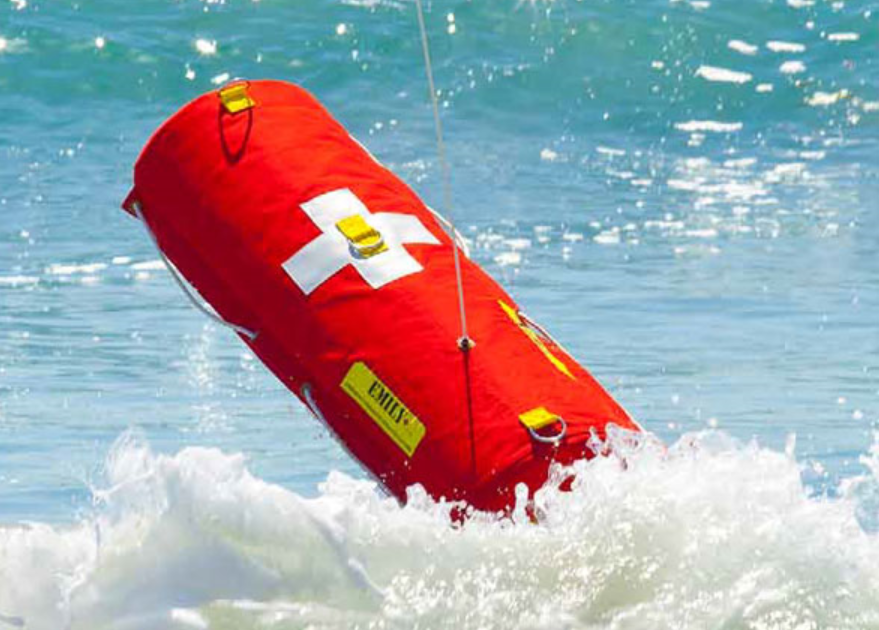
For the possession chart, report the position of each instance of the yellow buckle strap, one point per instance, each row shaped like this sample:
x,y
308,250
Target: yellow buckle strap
x,y
236,98
363,238
538,418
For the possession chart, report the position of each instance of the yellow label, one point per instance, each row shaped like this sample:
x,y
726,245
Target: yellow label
x,y
536,340
383,406
538,418
365,238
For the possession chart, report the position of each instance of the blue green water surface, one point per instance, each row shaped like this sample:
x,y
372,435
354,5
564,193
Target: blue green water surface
x,y
686,193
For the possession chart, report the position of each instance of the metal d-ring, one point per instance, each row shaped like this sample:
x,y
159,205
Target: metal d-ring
x,y
365,251
551,439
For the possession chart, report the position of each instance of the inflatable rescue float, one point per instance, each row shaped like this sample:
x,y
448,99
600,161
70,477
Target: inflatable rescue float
x,y
343,282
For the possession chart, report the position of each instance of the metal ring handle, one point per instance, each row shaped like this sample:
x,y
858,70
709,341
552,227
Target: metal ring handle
x,y
550,439
364,251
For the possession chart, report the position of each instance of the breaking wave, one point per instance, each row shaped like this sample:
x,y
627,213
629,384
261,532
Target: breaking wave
x,y
706,533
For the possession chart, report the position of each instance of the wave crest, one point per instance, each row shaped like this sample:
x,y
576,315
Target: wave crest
x,y
704,533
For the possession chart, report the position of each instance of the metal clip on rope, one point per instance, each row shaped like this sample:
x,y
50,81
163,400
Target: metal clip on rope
x,y
250,334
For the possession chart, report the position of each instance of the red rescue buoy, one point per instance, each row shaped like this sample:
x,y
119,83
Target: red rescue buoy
x,y
342,282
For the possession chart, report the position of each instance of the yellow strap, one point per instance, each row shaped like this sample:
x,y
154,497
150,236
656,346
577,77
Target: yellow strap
x,y
365,238
535,338
235,98
538,418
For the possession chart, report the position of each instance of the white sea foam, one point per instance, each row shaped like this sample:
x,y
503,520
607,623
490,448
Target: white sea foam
x,y
843,37
812,155
206,47
14,45
148,265
508,259
692,126
792,67
786,171
610,236
823,99
740,163
69,269
17,281
698,250
706,533
548,155
785,47
684,184
372,4
722,75
742,47
517,244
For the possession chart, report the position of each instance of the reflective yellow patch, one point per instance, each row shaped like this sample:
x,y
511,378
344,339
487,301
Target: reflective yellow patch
x,y
535,337
383,406
235,98
538,418
365,238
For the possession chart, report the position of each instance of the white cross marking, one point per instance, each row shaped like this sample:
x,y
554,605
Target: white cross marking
x,y
330,252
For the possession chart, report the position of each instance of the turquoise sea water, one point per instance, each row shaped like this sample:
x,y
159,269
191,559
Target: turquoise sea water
x,y
685,193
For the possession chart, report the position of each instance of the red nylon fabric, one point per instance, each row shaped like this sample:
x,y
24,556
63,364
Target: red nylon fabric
x,y
222,194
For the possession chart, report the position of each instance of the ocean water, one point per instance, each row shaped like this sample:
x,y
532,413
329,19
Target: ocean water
x,y
686,193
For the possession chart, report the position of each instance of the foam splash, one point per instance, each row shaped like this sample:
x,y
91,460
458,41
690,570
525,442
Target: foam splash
x,y
742,47
723,75
785,47
692,126
706,533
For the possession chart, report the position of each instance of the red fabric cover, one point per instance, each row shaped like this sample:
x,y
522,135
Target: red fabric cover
x,y
221,192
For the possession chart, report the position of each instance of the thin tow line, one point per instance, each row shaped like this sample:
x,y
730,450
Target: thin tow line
x,y
464,343
241,330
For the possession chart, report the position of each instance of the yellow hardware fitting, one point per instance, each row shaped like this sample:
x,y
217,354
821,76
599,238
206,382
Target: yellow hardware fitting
x,y
538,418
235,98
364,238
